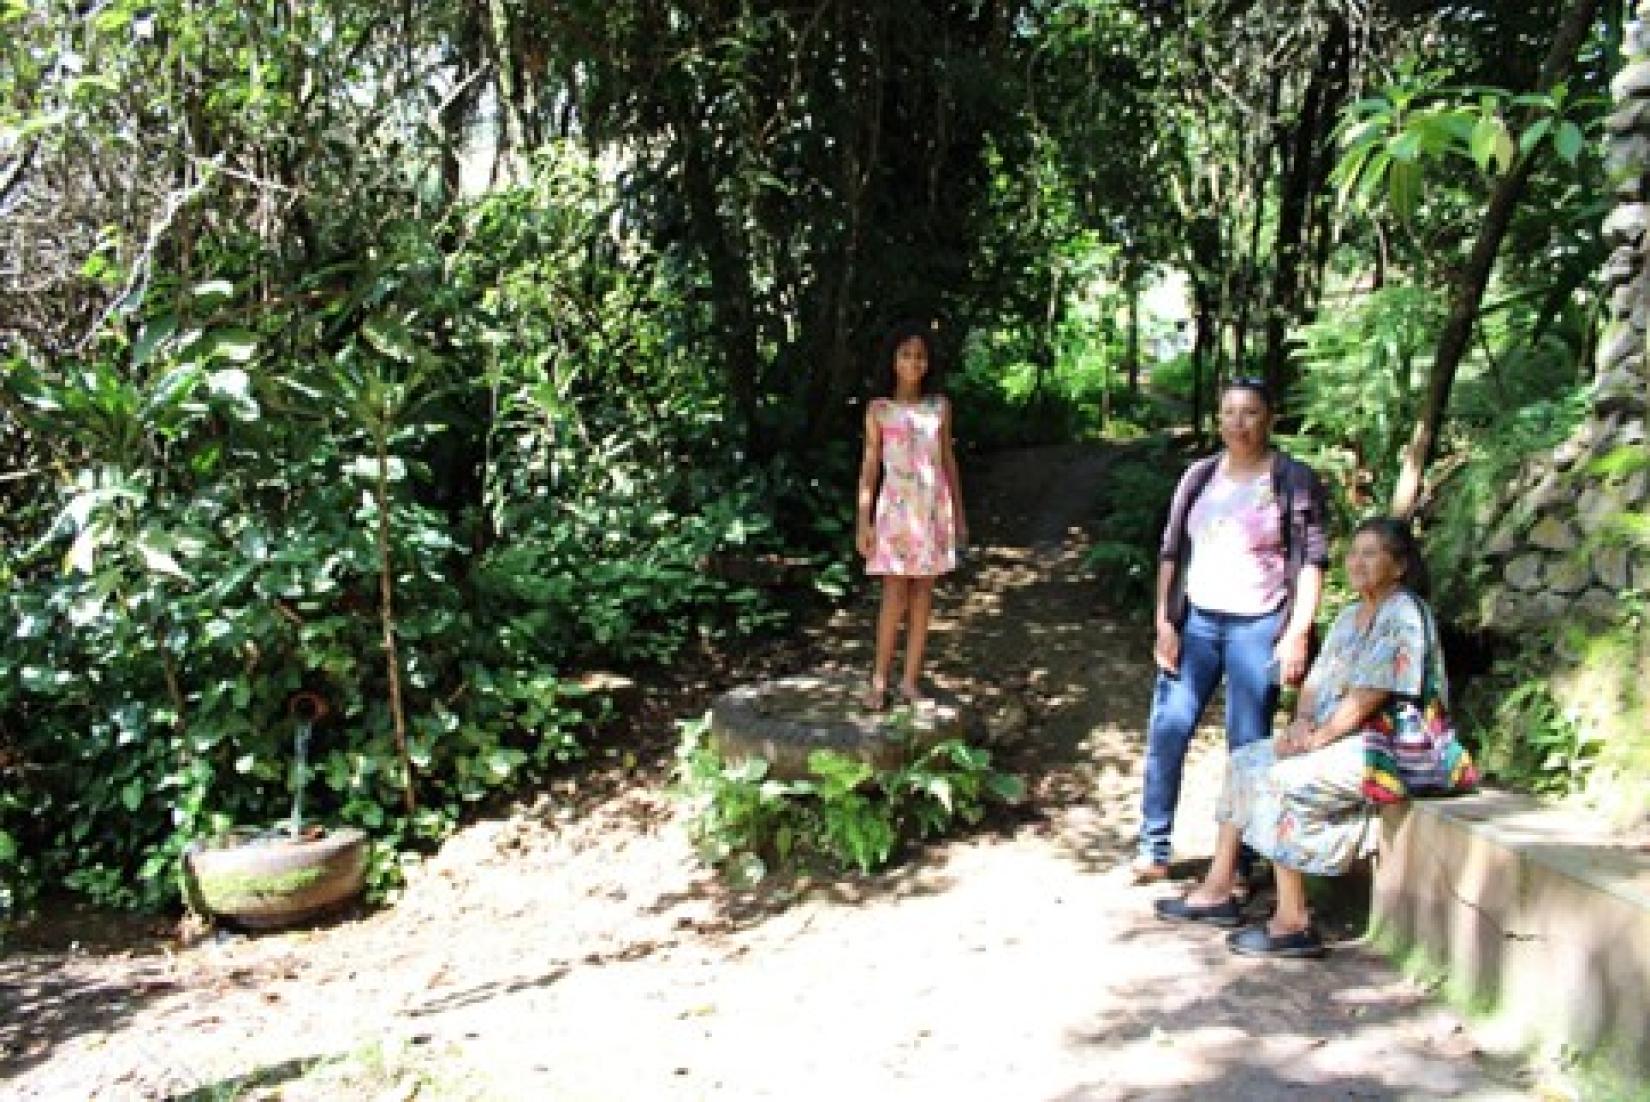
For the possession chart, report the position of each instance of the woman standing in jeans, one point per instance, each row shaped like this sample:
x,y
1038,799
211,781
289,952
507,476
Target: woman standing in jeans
x,y
1238,581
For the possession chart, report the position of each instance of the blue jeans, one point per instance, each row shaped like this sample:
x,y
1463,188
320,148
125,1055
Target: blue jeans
x,y
1212,645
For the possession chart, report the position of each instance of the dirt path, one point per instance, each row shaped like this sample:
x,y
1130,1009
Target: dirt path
x,y
577,950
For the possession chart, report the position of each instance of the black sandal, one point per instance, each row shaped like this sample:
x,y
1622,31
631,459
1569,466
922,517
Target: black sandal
x,y
1225,913
1258,941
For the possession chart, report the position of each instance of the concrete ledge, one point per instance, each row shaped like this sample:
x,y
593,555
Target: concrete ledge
x,y
1535,914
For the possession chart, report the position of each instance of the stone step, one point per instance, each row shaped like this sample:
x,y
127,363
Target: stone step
x,y
1538,916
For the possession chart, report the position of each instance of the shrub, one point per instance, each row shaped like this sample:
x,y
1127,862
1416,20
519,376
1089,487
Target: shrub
x,y
846,815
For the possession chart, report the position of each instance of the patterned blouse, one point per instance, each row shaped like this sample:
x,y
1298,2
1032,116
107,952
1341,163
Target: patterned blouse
x,y
1390,654
1237,563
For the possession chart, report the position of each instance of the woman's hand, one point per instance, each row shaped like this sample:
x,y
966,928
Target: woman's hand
x,y
1291,655
1297,738
962,530
1167,649
865,541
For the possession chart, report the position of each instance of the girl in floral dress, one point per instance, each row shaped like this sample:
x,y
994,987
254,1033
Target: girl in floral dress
x,y
909,527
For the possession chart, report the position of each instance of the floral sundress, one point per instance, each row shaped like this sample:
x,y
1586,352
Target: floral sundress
x,y
915,528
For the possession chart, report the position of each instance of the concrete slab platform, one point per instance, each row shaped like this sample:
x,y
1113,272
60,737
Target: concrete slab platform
x,y
1539,916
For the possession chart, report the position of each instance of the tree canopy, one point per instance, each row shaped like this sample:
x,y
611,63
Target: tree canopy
x,y
423,356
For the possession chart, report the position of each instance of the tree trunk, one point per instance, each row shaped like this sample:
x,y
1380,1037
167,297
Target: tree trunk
x,y
862,145
732,297
512,145
1249,265
1322,228
1475,276
386,615
1206,336
1131,353
1294,206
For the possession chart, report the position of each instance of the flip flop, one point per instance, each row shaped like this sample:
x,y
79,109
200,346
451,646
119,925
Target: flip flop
x,y
875,698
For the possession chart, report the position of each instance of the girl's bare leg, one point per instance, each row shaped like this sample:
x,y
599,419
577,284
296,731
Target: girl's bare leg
x,y
1291,915
921,605
1221,878
895,597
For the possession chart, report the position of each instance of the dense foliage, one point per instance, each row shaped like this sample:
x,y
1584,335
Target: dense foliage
x,y
425,358
844,815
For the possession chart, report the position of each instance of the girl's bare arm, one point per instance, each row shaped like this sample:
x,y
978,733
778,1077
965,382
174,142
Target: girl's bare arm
x,y
948,457
870,469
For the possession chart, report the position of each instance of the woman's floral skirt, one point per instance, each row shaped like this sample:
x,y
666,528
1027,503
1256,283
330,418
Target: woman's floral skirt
x,y
1305,812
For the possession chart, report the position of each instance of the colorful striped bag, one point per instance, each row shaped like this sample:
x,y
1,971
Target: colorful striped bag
x,y
1410,745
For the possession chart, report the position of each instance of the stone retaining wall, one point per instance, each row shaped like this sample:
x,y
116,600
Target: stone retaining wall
x,y
1548,543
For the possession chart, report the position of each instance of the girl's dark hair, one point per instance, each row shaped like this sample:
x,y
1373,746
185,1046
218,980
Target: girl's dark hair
x,y
1401,544
1255,385
887,379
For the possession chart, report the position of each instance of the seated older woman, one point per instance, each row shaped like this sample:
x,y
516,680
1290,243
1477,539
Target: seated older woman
x,y
1298,799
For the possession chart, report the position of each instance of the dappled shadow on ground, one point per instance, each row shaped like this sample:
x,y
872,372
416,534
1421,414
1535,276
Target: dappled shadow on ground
x,y
270,1076
1235,1029
46,1000
1023,630
482,992
526,931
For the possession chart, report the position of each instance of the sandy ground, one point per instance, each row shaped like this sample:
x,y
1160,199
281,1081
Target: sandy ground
x,y
575,948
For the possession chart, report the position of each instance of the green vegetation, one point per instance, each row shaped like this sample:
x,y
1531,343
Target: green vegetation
x,y
846,815
1129,526
426,362
380,1069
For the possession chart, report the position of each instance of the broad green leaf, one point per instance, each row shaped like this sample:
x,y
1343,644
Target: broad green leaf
x,y
389,337
1362,133
82,554
1007,787
1374,177
940,789
1406,146
1532,137
159,561
84,613
153,333
1455,127
1486,134
115,17
502,761
1404,187
97,82
213,289
132,794
749,771
231,382
236,345
1371,105
1567,141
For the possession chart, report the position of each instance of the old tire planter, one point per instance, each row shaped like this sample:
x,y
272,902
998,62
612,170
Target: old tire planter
x,y
266,885
784,721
